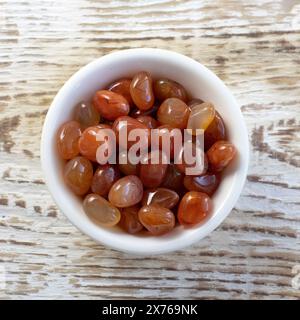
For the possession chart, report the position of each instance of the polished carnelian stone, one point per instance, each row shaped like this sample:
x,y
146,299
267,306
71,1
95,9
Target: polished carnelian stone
x,y
86,114
156,219
78,175
104,177
165,88
152,174
173,178
141,90
111,105
173,112
67,140
194,207
164,197
128,124
88,143
130,220
215,131
220,155
207,183
100,210
126,192
122,87
201,117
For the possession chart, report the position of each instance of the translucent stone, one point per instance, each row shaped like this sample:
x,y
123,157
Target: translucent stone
x,y
130,220
165,88
126,192
215,131
162,196
88,143
78,175
207,183
100,211
67,140
151,174
173,178
111,105
173,112
156,219
220,155
122,87
201,116
194,207
104,177
86,115
141,90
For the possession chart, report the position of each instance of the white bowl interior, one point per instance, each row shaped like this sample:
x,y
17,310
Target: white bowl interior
x,y
200,83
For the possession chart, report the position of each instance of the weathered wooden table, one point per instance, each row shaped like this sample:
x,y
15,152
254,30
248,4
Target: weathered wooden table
x,y
254,46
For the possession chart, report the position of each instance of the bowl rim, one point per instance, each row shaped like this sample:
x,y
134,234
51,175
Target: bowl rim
x,y
212,223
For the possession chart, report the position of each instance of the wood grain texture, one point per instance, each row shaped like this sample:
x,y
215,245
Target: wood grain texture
x,y
254,46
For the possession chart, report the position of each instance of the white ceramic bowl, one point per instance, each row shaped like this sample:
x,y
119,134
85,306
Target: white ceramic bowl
x,y
200,83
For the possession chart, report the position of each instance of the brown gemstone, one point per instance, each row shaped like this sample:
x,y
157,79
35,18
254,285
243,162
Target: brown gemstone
x,y
164,197
194,207
78,174
111,105
156,219
126,192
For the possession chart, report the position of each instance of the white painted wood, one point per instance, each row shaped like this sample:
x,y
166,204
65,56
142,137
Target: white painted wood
x,y
254,46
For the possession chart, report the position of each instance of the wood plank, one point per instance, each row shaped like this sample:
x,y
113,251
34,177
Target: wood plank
x,y
253,46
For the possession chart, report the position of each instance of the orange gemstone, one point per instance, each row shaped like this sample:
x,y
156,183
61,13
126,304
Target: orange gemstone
x,y
156,219
78,174
201,117
162,196
165,88
173,112
194,207
67,140
122,87
207,183
89,143
86,114
104,177
152,174
110,104
173,178
216,131
100,210
126,192
141,90
220,155
130,220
